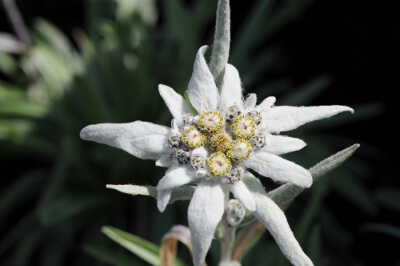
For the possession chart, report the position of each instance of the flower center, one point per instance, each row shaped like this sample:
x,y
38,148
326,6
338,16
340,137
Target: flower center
x,y
220,142
240,150
211,121
244,127
192,137
219,164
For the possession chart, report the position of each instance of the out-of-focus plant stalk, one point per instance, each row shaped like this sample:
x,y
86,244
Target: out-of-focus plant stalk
x,y
17,22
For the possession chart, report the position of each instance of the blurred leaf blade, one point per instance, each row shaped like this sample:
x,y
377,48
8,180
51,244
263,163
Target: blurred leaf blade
x,y
138,246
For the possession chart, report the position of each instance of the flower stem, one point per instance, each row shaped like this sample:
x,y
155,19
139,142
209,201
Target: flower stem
x,y
227,241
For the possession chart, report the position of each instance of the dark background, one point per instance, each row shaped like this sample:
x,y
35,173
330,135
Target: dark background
x,y
357,44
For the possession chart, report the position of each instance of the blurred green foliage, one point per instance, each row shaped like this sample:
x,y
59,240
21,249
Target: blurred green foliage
x,y
109,72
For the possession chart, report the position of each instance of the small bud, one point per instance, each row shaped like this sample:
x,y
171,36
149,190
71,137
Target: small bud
x,y
233,113
256,116
180,156
190,120
258,142
235,212
174,141
235,175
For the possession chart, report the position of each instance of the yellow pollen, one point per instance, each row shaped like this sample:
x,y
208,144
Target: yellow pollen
x,y
219,164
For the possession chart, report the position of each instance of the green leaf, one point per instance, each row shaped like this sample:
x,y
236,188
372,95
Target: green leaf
x,y
8,64
309,214
314,244
67,206
8,91
307,92
138,246
22,108
108,256
22,227
53,36
19,191
386,229
355,192
126,9
388,197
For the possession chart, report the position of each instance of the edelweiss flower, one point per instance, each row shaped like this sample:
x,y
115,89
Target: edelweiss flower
x,y
215,146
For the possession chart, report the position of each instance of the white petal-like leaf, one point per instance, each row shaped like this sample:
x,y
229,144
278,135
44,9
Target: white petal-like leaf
x,y
163,198
176,177
164,161
180,193
153,146
231,91
282,144
273,218
265,106
285,118
205,211
126,137
251,101
242,193
176,104
202,91
279,169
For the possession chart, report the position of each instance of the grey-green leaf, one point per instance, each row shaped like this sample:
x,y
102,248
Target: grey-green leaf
x,y
286,193
138,246
180,193
222,38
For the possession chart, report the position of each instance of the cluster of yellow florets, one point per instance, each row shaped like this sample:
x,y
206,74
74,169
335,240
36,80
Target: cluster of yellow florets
x,y
193,138
219,164
211,122
220,142
208,131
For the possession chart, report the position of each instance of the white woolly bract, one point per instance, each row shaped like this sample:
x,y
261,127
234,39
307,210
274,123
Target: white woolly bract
x,y
202,91
273,218
129,137
176,177
176,104
282,144
242,193
285,118
231,90
205,211
279,169
163,198
251,101
164,161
